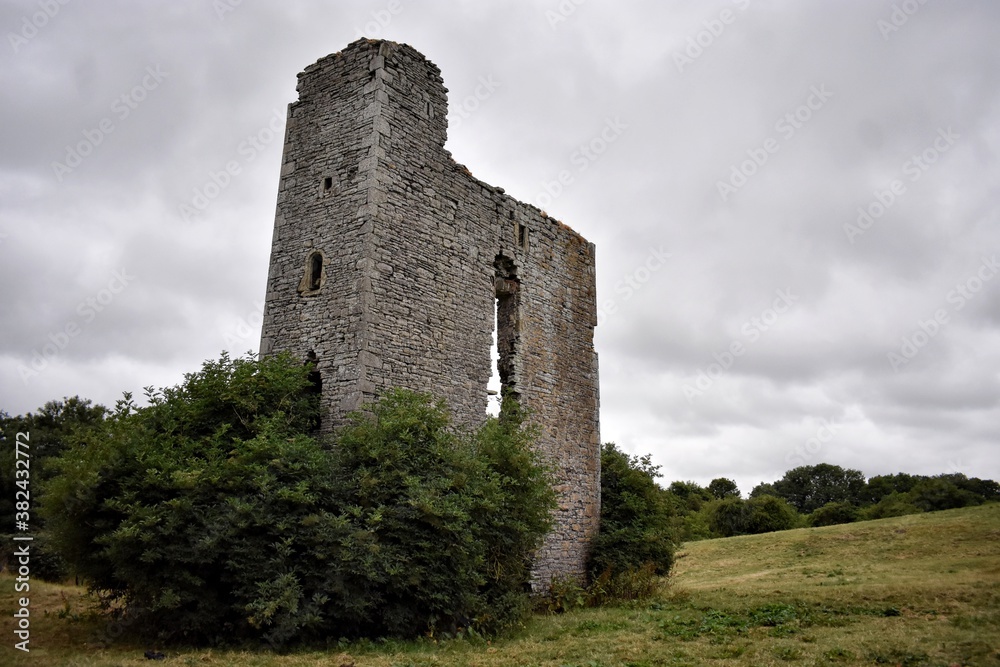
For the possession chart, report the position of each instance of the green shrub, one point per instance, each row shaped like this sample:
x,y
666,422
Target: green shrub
x,y
625,586
563,594
46,562
214,515
894,504
881,486
694,526
760,514
454,522
566,594
834,513
768,514
729,517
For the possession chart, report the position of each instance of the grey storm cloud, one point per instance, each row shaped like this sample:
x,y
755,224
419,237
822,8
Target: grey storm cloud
x,y
795,205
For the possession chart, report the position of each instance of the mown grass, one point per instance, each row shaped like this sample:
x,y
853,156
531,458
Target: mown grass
x,y
921,590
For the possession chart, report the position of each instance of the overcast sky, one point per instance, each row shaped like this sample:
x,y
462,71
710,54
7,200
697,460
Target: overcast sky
x,y
795,205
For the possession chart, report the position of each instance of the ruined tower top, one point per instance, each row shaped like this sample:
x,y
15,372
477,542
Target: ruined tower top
x,y
390,265
406,71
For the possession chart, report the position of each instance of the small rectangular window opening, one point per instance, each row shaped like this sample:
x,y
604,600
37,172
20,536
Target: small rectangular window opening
x,y
522,236
327,183
315,271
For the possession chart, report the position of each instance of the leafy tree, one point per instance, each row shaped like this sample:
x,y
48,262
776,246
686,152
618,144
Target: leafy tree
x,y
880,486
51,430
722,487
763,489
986,489
808,488
636,518
214,515
688,496
940,493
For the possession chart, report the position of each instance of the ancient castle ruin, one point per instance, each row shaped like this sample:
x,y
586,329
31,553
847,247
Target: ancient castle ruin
x,y
390,263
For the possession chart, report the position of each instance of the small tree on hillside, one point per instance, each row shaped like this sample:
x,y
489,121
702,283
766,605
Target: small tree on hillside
x,y
723,487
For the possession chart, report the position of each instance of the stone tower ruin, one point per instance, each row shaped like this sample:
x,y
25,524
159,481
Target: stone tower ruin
x,y
390,264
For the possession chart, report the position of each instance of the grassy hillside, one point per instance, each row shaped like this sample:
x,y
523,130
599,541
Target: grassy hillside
x,y
915,590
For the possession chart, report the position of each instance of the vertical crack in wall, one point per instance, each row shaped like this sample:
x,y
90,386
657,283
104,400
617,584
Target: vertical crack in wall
x,y
508,294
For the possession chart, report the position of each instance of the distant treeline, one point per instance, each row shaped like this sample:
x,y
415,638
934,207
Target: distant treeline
x,y
818,495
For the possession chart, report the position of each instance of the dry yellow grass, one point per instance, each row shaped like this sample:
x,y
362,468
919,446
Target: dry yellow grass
x,y
912,591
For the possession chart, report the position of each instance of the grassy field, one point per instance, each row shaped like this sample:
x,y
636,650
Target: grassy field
x,y
917,590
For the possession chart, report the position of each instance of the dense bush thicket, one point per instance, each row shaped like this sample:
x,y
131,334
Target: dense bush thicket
x,y
833,513
762,514
636,519
214,514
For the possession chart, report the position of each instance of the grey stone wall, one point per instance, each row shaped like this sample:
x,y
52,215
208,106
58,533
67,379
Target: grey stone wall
x,y
416,255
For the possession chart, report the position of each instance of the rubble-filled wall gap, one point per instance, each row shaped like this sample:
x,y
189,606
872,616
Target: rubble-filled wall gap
x,y
508,300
